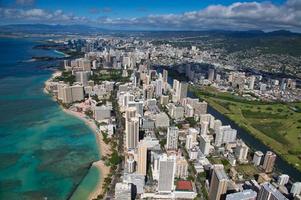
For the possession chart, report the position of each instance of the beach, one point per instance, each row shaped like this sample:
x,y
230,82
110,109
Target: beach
x,y
103,148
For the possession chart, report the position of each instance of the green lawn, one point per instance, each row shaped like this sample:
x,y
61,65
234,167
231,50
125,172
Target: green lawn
x,y
277,125
249,171
109,75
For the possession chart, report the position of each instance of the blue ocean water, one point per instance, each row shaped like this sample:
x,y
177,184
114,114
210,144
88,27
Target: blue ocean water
x,y
43,151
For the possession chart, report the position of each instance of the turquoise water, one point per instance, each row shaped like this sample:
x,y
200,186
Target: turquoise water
x,y
43,151
90,181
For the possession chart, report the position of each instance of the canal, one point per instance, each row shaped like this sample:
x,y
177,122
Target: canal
x,y
254,143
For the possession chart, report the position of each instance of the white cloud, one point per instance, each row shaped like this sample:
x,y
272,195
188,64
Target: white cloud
x,y
39,15
237,16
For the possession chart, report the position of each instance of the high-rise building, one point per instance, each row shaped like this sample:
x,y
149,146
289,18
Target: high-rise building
x,y
123,191
269,192
102,112
188,111
204,127
162,120
142,158
243,195
181,167
66,94
296,189
224,134
182,92
200,108
159,87
217,125
257,158
130,162
252,82
241,151
177,112
164,99
167,166
283,179
175,85
82,77
138,105
130,112
211,74
132,132
189,142
77,92
269,162
84,64
172,138
194,132
205,144
69,94
218,183
165,76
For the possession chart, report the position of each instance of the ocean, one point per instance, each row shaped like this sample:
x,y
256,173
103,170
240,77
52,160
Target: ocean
x,y
44,152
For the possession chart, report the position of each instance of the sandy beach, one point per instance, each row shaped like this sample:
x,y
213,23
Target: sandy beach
x,y
103,148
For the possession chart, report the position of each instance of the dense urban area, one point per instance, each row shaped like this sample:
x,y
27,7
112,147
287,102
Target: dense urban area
x,y
149,100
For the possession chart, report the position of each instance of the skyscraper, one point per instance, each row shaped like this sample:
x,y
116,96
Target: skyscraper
x,y
167,165
182,92
130,162
269,192
165,76
283,179
77,92
241,151
211,74
205,144
204,127
181,167
82,77
243,195
252,82
172,138
142,158
189,142
159,87
218,183
269,162
130,112
257,158
132,132
175,85
296,189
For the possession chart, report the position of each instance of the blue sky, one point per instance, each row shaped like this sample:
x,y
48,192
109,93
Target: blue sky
x,y
123,8
157,14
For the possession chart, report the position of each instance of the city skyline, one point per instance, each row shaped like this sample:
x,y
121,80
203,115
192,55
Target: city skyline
x,y
158,15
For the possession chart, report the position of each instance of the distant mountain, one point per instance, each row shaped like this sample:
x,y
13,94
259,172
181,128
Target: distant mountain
x,y
253,33
49,29
84,29
282,33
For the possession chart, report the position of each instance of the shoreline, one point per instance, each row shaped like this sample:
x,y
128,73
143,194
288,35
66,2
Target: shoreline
x,y
102,147
103,150
62,53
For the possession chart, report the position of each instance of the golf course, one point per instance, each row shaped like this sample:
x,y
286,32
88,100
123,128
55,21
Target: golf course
x,y
277,125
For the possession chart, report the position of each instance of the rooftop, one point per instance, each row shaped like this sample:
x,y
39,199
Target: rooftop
x,y
184,186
